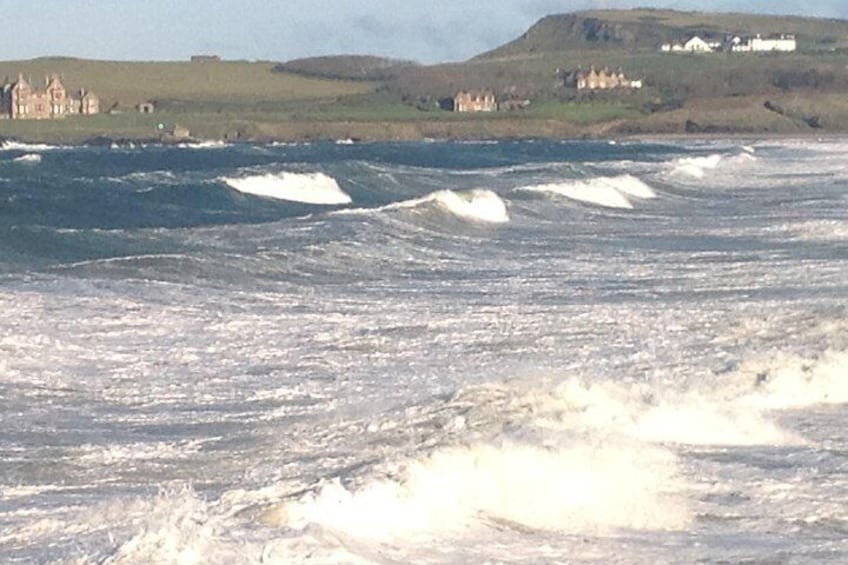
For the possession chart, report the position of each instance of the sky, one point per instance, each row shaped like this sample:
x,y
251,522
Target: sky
x,y
427,31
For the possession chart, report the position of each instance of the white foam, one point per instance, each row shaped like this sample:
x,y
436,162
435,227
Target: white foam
x,y
696,166
688,417
28,158
210,144
310,188
32,147
791,381
572,489
610,192
480,205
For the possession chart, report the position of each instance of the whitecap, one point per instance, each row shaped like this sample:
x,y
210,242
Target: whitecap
x,y
309,188
211,144
572,488
609,192
28,158
696,166
479,205
30,147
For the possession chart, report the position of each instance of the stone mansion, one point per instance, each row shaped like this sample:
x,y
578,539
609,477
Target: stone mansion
x,y
21,100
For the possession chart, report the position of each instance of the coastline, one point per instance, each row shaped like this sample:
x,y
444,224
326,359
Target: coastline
x,y
459,130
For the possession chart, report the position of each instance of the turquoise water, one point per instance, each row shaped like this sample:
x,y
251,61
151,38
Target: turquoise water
x,y
513,352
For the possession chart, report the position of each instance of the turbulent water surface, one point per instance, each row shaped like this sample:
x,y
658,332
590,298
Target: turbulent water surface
x,y
511,352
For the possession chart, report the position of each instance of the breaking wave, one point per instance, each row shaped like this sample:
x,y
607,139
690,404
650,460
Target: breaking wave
x,y
697,167
477,205
212,144
28,158
309,188
480,205
609,192
18,146
578,488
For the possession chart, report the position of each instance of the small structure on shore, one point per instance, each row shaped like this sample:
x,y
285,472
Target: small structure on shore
x,y
22,101
146,108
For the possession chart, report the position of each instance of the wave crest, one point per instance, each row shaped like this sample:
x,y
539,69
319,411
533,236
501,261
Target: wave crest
x,y
480,205
309,188
573,489
609,192
28,158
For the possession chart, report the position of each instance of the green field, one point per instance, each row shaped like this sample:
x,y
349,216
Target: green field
x,y
329,97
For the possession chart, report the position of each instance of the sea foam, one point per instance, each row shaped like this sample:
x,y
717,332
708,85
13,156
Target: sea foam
x,y
28,158
478,205
609,192
309,188
18,146
578,488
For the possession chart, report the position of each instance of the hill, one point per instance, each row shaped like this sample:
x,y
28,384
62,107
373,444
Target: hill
x,y
354,96
345,67
647,29
124,84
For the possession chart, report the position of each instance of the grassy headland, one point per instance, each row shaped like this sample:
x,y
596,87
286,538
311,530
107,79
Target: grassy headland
x,y
374,98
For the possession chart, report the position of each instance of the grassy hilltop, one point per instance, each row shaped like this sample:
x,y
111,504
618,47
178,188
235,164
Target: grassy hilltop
x,y
375,98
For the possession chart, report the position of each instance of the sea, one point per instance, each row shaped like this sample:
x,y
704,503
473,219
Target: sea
x,y
438,352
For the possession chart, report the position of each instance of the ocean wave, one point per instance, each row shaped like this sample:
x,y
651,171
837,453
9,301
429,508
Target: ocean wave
x,y
609,192
212,144
31,158
576,488
309,188
697,167
28,147
733,409
478,205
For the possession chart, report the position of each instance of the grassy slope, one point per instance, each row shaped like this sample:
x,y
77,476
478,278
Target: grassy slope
x,y
721,92
129,83
213,99
647,29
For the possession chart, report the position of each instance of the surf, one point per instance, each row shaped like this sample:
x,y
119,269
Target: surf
x,y
476,205
308,188
607,192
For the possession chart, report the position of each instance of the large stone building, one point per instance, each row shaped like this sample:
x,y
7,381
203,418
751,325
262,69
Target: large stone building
x,y
478,101
599,80
22,101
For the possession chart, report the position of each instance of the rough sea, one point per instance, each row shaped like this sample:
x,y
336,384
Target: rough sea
x,y
517,352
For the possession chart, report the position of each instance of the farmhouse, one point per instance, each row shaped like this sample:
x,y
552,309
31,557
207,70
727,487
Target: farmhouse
x,y
21,101
475,101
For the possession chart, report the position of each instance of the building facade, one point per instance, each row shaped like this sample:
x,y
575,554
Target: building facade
x,y
782,43
604,79
22,101
475,101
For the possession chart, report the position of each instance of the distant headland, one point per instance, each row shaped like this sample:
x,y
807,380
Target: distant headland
x,y
593,73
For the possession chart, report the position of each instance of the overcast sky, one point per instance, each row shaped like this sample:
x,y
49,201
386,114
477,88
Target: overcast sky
x,y
427,31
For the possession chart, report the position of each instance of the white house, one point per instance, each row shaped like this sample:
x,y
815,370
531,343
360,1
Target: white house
x,y
785,43
782,43
694,45
697,45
